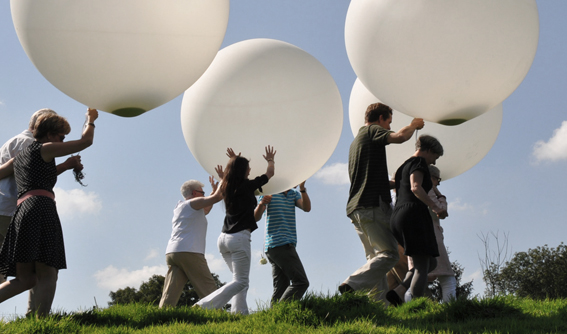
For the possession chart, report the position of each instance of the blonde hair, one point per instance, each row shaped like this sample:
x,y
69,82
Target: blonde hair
x,y
50,123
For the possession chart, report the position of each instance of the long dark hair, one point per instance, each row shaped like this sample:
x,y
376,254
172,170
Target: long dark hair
x,y
234,175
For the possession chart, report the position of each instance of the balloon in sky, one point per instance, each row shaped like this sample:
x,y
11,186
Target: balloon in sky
x,y
264,92
125,57
464,145
446,61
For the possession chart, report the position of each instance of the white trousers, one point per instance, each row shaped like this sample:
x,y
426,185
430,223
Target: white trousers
x,y
235,250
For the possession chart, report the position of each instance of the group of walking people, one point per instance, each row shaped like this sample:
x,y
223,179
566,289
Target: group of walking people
x,y
33,249
186,247
409,223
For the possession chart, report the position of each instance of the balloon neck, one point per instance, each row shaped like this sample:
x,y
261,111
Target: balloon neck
x,y
452,121
128,112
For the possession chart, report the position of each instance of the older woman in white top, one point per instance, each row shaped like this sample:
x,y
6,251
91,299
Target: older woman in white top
x,y
186,247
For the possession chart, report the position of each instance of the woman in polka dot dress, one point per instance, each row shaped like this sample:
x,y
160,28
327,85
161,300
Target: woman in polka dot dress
x,y
33,250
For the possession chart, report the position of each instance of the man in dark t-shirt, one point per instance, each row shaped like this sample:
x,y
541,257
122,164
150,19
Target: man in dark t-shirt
x,y
369,199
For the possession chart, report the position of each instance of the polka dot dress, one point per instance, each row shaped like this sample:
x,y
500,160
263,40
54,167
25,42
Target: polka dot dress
x,y
35,231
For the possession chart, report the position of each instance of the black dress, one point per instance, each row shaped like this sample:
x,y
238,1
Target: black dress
x,y
35,231
411,223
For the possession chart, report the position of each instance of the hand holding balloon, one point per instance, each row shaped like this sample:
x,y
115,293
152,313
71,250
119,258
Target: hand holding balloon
x,y
92,115
230,153
270,153
417,123
214,184
220,172
269,156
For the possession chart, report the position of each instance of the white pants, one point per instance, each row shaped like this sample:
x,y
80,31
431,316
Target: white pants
x,y
235,250
448,287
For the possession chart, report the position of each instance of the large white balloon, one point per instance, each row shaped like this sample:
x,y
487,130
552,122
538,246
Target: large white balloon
x,y
264,92
464,145
124,57
446,61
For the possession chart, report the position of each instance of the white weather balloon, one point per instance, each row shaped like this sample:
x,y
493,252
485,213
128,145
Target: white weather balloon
x,y
264,92
124,57
446,61
464,145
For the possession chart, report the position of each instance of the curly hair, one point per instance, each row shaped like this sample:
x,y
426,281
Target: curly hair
x,y
234,175
50,123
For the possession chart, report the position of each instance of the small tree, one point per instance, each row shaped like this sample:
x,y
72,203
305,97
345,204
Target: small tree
x,y
150,292
493,262
538,273
463,290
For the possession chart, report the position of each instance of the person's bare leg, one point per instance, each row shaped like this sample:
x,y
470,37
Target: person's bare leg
x,y
25,280
44,291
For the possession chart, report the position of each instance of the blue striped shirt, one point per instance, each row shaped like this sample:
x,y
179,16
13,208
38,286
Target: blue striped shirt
x,y
280,221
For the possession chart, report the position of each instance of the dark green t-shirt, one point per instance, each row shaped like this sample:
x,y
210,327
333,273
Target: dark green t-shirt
x,y
367,169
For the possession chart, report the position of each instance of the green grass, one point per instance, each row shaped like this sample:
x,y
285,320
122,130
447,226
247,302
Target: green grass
x,y
352,313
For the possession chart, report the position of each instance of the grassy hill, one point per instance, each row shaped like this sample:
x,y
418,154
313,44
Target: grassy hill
x,y
353,313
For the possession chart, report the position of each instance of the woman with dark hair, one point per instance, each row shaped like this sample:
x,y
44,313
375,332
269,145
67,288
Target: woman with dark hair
x,y
411,223
239,223
33,250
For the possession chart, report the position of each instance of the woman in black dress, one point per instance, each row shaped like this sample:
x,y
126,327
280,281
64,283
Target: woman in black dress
x,y
411,223
33,250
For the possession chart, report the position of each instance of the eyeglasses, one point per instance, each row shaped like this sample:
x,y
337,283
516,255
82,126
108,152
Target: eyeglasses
x,y
200,192
438,179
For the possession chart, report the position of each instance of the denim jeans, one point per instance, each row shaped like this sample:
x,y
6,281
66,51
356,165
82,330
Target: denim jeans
x,y
290,280
235,250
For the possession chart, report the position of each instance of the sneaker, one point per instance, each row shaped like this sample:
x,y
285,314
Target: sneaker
x,y
345,288
393,298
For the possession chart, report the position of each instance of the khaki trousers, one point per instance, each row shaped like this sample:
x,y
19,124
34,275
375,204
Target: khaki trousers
x,y
183,267
380,246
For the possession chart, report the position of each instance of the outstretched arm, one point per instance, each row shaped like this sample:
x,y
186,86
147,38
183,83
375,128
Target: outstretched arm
x,y
304,203
208,201
269,156
73,162
405,133
52,149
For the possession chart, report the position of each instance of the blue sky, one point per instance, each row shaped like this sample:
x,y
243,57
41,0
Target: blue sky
x,y
117,228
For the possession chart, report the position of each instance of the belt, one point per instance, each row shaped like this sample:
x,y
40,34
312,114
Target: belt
x,y
36,192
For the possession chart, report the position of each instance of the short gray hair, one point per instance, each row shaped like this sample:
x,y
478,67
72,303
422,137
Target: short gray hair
x,y
434,171
36,115
429,143
188,187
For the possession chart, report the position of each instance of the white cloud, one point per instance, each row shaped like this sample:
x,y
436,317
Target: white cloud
x,y
335,174
112,278
456,205
216,265
152,254
76,202
555,148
